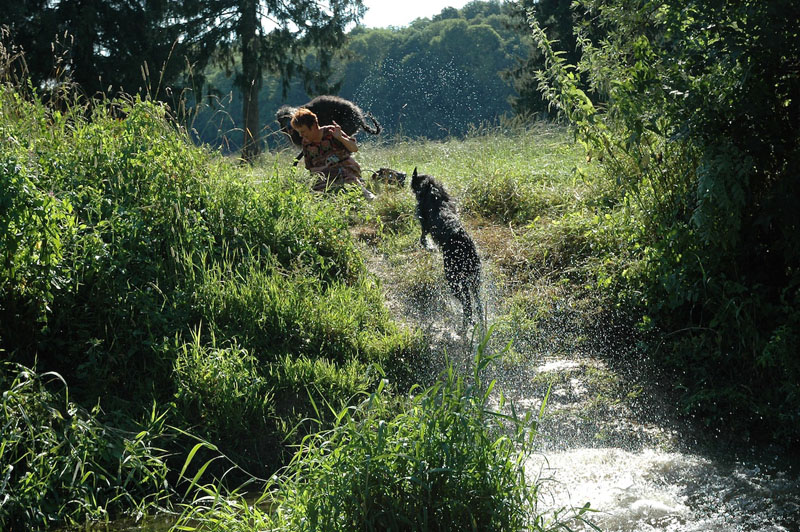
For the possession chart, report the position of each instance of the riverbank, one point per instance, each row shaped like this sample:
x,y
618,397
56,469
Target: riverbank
x,y
167,307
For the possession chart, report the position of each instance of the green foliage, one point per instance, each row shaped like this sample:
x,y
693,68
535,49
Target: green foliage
x,y
435,78
104,47
444,459
142,268
223,392
301,316
31,222
147,236
60,463
699,134
556,19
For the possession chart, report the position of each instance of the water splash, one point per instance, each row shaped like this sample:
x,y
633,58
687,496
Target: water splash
x,y
633,467
653,490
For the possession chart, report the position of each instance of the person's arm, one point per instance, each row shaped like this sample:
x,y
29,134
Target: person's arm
x,y
348,142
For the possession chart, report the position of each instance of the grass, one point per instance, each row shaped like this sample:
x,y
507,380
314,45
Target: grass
x,y
441,459
144,270
247,312
62,463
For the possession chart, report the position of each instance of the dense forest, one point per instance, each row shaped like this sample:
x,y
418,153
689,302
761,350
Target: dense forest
x,y
161,302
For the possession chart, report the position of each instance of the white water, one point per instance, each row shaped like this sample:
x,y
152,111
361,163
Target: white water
x,y
636,474
652,490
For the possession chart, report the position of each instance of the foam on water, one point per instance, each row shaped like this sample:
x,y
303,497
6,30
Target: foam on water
x,y
652,490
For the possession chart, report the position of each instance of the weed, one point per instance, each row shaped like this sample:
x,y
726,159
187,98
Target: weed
x,y
444,460
61,463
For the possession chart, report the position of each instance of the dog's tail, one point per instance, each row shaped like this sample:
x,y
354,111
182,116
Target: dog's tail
x,y
372,130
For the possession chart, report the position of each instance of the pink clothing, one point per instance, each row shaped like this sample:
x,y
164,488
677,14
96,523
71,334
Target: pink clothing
x,y
331,160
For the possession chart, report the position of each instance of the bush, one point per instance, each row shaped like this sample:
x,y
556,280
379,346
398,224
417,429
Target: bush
x,y
444,459
142,268
224,393
62,464
699,132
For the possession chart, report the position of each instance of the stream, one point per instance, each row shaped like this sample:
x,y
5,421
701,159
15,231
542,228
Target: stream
x,y
606,438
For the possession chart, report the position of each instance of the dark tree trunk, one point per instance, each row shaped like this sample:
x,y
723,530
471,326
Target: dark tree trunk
x,y
251,78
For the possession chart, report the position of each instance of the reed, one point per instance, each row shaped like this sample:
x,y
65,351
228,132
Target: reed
x,y
442,458
62,463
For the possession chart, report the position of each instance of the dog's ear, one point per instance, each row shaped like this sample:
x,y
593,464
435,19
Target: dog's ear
x,y
415,172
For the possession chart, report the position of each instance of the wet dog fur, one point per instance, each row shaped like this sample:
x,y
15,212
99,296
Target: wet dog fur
x,y
438,217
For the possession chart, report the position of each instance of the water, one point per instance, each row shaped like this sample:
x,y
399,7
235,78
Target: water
x,y
607,438
638,469
653,490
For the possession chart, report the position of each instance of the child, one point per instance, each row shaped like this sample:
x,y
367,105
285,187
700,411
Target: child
x,y
327,152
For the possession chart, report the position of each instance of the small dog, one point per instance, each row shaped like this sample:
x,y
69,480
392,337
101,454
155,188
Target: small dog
x,y
390,177
438,217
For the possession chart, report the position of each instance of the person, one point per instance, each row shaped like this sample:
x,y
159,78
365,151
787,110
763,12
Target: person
x,y
327,152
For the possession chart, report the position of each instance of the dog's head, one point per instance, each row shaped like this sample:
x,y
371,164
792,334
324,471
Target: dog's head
x,y
387,175
418,181
284,118
425,186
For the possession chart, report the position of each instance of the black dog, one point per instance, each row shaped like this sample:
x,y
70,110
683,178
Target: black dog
x,y
438,217
329,109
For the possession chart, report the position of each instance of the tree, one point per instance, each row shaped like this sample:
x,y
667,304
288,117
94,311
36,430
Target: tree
x,y
100,43
557,19
269,36
436,77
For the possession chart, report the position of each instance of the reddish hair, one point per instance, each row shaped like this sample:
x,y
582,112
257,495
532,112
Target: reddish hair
x,y
304,117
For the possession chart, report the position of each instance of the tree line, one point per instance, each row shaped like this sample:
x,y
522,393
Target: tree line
x,y
111,46
230,65
436,77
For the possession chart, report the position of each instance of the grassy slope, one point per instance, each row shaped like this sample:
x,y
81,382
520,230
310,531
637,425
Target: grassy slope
x,y
157,279
557,251
167,283
544,227
549,229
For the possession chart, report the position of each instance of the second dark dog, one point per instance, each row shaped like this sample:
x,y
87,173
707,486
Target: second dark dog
x,y
438,217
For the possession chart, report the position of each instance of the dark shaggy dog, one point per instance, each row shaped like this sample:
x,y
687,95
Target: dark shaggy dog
x,y
438,217
329,109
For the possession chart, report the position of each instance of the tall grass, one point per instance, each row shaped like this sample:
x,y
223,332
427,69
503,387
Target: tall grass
x,y
145,270
62,463
444,458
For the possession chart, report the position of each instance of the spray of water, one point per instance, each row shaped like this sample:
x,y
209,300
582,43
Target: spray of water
x,y
607,438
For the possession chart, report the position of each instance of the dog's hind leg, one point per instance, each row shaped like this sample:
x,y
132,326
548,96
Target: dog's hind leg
x,y
462,293
423,240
